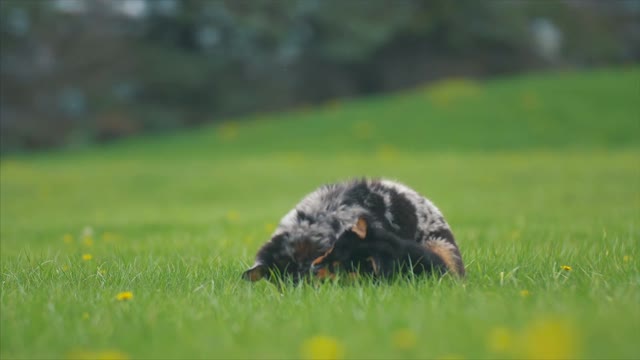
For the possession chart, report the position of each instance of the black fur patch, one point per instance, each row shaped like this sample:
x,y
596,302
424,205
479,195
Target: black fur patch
x,y
375,203
302,216
357,193
335,225
404,215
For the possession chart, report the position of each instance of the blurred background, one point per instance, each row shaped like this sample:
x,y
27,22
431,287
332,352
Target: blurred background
x,y
76,72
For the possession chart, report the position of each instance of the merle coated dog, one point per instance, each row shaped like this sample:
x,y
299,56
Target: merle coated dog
x,y
375,226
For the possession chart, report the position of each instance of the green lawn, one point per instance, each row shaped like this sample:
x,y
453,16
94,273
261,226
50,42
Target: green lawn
x,y
533,173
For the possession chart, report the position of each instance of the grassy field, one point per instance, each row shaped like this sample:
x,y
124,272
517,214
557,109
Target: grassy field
x,y
538,175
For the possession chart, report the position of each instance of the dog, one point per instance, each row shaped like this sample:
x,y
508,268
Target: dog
x,y
395,217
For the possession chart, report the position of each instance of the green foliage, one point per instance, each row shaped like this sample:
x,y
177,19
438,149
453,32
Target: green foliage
x,y
532,173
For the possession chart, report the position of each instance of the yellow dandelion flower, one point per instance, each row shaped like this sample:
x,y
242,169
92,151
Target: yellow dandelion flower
x,y
500,340
269,228
125,295
67,238
626,258
233,216
85,316
404,339
87,257
87,241
566,268
524,293
322,347
386,152
65,267
112,355
228,131
451,357
550,339
97,355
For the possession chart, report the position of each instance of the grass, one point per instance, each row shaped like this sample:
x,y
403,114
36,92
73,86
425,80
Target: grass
x,y
533,173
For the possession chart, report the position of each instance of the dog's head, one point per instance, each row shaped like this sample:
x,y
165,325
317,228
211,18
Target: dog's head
x,y
292,252
285,258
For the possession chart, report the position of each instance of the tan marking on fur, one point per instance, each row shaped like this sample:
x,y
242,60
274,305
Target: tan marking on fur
x,y
320,259
360,228
324,273
446,251
254,274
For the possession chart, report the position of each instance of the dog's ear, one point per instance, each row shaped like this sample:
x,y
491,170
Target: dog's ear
x,y
360,228
256,272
